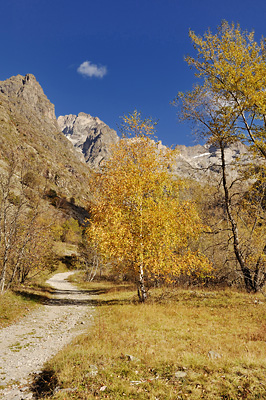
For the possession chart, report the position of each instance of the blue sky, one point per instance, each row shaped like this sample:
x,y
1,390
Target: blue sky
x,y
133,49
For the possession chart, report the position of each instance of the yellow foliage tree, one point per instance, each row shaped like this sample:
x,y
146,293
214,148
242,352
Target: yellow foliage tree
x,y
229,106
137,220
233,67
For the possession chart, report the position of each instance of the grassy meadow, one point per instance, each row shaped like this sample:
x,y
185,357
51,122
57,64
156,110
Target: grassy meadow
x,y
181,344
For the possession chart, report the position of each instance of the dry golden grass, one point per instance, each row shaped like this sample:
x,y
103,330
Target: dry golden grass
x,y
18,302
14,306
180,345
65,249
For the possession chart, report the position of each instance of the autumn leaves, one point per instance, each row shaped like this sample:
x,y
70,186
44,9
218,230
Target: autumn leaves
x,y
228,105
138,221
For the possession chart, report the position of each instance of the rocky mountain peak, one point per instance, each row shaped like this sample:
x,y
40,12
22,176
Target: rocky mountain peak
x,y
29,131
26,94
90,136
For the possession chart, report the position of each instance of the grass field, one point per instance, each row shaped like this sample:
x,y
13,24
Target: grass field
x,y
181,344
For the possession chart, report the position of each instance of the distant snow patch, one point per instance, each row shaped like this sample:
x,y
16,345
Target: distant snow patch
x,y
202,155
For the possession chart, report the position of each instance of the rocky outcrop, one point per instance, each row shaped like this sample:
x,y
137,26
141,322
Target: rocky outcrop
x,y
26,94
29,131
90,136
93,139
204,162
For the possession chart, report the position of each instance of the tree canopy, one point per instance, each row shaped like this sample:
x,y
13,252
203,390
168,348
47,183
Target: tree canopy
x,y
233,68
138,221
227,105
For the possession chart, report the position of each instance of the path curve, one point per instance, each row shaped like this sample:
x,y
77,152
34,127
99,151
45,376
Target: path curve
x,y
28,344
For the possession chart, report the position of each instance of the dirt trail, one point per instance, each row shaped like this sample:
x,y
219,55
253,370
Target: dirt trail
x,y
27,345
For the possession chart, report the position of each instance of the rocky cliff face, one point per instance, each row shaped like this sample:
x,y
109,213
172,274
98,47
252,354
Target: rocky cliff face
x,y
93,140
90,136
26,94
29,130
204,162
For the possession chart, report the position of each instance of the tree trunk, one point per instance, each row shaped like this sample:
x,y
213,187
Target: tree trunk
x,y
141,286
244,268
91,268
2,280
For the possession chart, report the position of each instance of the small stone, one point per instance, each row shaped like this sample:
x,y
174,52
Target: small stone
x,y
28,396
129,357
213,355
103,388
66,390
23,389
257,301
136,382
93,370
180,374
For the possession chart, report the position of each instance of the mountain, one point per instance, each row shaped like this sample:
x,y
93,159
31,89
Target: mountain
x,y
26,95
93,140
63,151
203,162
91,137
29,131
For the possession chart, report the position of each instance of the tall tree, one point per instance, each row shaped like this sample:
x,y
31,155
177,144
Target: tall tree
x,y
25,227
230,106
138,221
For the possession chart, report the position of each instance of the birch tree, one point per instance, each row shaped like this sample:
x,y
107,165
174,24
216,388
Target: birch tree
x,y
228,105
137,220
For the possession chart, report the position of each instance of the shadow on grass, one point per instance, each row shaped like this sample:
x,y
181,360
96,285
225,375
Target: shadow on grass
x,y
75,297
89,302
37,296
44,384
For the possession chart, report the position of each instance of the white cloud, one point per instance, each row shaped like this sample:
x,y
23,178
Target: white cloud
x,y
92,70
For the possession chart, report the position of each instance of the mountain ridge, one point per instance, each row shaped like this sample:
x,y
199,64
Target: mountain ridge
x,y
68,147
91,137
29,131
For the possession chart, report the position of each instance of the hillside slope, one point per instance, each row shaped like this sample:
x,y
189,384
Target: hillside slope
x,y
28,129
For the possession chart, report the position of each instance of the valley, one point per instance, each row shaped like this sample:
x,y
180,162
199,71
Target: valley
x,y
144,234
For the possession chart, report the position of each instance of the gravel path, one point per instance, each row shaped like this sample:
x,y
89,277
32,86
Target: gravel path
x,y
27,345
